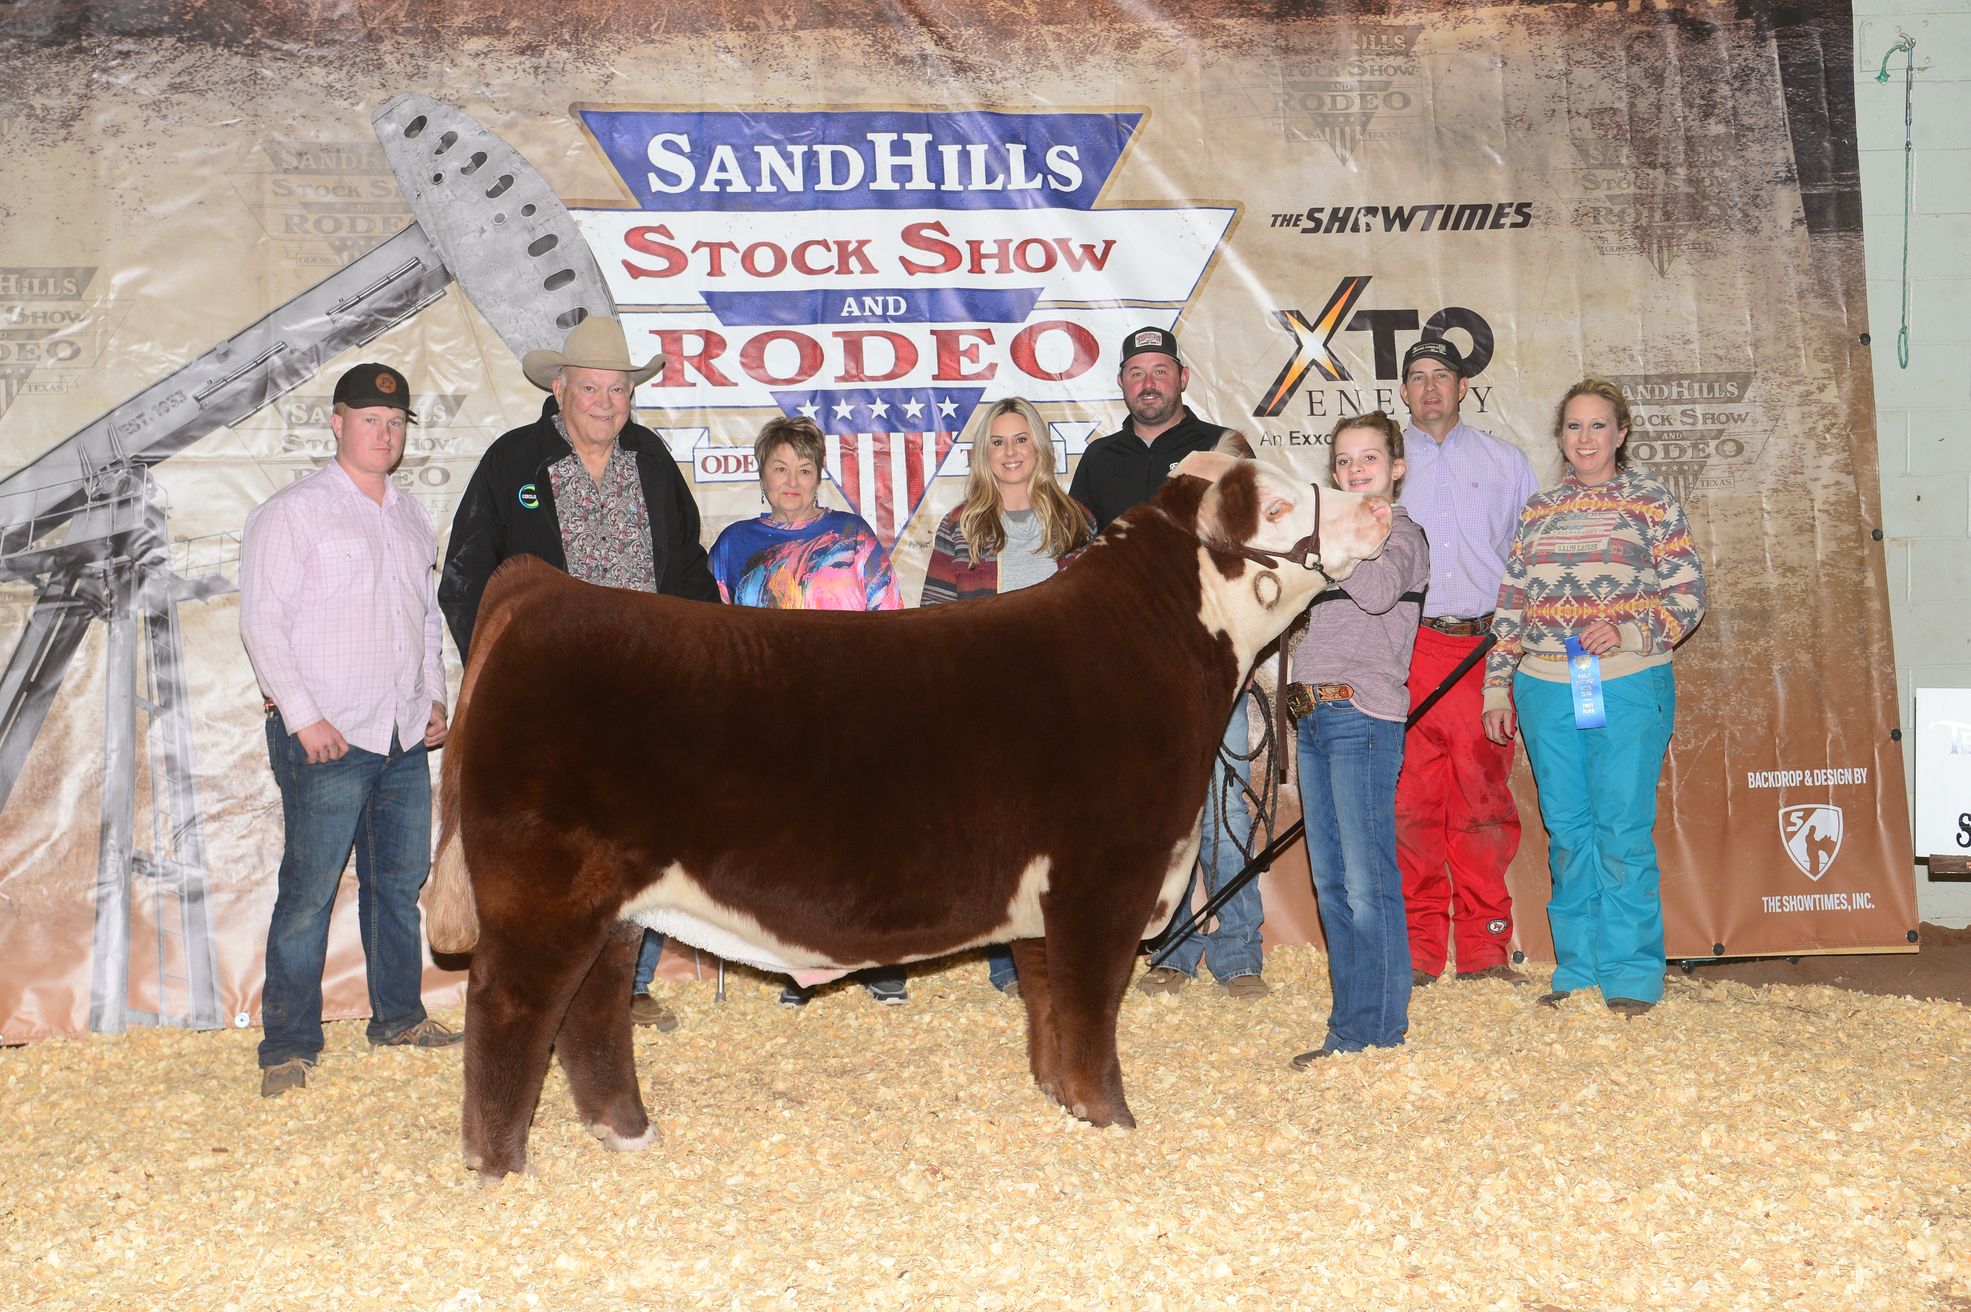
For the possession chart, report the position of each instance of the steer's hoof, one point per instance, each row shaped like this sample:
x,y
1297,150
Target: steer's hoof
x,y
1117,1116
490,1169
492,1177
623,1143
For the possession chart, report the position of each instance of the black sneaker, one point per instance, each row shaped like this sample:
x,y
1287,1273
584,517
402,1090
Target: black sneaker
x,y
889,992
795,996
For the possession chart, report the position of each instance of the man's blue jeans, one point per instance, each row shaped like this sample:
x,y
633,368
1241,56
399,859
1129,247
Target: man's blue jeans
x,y
646,961
1234,945
1598,801
1000,970
1348,767
380,806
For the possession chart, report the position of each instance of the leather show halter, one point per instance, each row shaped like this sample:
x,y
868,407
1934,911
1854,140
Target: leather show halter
x,y
1305,553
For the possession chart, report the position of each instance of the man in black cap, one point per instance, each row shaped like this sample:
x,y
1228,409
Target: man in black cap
x,y
1127,467
340,618
1116,473
1457,827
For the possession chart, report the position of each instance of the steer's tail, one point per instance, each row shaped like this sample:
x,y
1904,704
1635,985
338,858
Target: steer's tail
x,y
451,913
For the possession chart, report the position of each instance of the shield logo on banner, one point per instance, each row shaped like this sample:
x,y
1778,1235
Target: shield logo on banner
x,y
885,445
1812,834
884,475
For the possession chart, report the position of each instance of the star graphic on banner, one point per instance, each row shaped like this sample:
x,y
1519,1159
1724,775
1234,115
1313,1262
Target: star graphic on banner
x,y
947,408
915,408
844,409
880,410
809,409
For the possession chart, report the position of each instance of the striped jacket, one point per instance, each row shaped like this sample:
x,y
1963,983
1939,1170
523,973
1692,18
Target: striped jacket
x,y
1619,551
951,575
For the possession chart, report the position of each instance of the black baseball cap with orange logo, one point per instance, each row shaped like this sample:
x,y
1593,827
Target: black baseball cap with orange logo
x,y
370,385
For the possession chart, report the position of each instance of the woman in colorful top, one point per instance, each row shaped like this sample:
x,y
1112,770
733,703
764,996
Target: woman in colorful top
x,y
799,556
1011,531
1605,558
1350,696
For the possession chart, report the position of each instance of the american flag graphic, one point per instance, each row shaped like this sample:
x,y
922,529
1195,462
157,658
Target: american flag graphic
x,y
884,475
885,445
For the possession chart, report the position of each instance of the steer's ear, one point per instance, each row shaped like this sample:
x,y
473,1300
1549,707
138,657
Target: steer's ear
x,y
1208,465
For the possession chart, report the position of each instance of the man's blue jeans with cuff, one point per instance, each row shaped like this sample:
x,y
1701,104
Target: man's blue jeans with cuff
x,y
381,807
647,953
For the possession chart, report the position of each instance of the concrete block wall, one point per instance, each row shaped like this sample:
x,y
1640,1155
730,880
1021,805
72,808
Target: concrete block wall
x,y
1923,413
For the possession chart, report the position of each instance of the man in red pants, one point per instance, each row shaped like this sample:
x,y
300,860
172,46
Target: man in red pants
x,y
1456,826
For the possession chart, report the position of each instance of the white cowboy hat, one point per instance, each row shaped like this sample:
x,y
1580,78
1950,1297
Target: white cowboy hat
x,y
594,343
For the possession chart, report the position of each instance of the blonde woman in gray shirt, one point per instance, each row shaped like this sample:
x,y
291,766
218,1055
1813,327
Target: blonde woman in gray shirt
x,y
1349,695
1014,529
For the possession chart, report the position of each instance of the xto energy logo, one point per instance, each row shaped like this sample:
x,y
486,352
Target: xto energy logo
x,y
883,272
1387,331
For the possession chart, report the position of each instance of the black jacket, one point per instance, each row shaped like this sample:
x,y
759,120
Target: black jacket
x,y
1120,471
494,522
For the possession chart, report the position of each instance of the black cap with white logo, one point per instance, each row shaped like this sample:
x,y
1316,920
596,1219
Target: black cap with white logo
x,y
370,385
1159,340
1435,348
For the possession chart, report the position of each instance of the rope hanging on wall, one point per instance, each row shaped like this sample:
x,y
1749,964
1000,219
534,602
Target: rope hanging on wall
x,y
1908,46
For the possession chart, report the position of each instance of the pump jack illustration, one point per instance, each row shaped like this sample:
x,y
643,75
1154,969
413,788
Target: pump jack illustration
x,y
85,523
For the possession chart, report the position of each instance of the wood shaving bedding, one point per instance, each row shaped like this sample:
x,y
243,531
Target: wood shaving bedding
x,y
1737,1148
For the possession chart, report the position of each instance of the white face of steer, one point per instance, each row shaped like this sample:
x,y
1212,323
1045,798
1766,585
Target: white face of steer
x,y
1252,504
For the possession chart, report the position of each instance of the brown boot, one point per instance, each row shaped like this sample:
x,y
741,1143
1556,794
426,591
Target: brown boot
x,y
290,1074
646,1010
427,1033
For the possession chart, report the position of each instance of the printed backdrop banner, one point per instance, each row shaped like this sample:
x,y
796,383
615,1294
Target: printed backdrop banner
x,y
882,216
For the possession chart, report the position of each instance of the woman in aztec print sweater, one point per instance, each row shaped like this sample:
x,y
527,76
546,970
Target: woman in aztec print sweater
x,y
1014,529
800,556
1606,558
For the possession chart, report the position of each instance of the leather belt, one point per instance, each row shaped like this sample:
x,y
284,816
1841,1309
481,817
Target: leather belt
x,y
1302,698
1472,628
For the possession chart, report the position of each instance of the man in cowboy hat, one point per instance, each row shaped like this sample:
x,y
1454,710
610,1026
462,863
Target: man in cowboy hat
x,y
589,492
582,487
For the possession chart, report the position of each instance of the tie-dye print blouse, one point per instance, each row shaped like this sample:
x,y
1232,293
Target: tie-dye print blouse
x,y
832,562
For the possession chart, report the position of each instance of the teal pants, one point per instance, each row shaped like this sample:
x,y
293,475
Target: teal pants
x,y
1598,802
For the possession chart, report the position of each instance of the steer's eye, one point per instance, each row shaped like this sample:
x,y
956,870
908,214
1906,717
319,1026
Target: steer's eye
x,y
1278,510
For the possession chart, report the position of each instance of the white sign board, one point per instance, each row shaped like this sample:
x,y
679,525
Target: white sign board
x,y
1943,772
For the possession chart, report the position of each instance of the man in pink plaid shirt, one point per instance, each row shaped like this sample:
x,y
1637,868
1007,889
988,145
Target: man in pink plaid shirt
x,y
339,613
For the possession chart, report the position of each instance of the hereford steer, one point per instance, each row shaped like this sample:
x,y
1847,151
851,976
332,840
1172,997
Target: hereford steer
x,y
812,792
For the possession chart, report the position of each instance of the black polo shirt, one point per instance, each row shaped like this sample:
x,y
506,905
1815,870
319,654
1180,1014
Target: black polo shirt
x,y
1121,471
